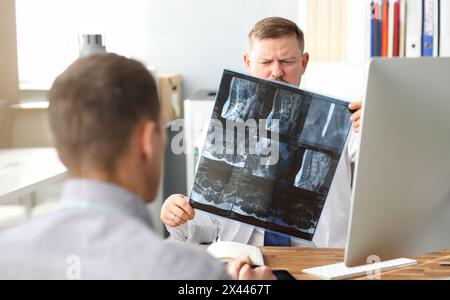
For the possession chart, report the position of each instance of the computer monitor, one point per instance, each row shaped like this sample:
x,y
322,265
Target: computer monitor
x,y
401,197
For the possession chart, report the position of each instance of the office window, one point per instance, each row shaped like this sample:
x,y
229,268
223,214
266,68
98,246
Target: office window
x,y
48,30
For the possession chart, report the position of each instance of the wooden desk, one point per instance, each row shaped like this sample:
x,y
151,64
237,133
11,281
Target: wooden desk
x,y
24,171
296,259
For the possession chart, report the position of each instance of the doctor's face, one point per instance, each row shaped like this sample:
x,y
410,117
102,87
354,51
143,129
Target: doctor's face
x,y
277,59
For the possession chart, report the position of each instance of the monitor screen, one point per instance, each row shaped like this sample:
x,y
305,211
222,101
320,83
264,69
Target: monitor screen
x,y
401,195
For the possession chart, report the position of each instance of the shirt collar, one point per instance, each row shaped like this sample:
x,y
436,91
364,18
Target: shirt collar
x,y
103,196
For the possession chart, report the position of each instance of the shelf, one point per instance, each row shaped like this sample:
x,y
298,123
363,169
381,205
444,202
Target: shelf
x,y
30,106
34,86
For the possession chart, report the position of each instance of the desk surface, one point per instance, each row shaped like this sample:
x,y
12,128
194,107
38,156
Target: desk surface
x,y
296,259
23,171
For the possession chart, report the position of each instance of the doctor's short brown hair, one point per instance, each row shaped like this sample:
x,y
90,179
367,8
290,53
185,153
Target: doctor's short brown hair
x,y
276,27
94,106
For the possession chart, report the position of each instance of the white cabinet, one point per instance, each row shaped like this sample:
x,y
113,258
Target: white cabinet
x,y
197,116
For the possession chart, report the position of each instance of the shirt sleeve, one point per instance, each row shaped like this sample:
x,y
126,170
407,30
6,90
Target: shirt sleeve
x,y
353,146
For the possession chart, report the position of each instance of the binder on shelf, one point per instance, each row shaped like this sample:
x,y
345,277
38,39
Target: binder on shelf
x,y
396,47
444,36
436,27
428,28
380,27
410,28
385,28
402,33
373,31
391,28
413,28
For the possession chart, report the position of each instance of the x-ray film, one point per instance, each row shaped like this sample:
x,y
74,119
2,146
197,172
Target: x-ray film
x,y
270,154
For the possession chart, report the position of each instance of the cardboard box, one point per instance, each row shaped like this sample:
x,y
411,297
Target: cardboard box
x,y
170,91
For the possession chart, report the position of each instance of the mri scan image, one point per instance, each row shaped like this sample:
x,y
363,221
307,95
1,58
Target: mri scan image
x,y
275,174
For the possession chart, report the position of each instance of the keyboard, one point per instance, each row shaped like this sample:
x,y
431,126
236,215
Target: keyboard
x,y
340,271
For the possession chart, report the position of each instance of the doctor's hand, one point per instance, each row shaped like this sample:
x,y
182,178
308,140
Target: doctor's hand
x,y
176,211
356,116
240,268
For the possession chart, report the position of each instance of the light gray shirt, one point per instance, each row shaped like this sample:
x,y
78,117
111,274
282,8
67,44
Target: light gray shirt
x,y
102,232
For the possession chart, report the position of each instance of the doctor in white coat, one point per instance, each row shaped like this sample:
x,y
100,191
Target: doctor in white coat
x,y
275,51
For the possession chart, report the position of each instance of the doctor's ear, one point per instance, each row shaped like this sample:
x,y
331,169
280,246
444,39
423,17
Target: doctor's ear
x,y
247,61
305,60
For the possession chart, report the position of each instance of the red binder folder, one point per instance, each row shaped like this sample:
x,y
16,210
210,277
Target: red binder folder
x,y
396,28
385,29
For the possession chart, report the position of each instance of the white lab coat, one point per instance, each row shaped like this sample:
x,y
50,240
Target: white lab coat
x,y
331,231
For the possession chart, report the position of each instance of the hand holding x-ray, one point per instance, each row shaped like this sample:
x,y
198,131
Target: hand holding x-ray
x,y
356,107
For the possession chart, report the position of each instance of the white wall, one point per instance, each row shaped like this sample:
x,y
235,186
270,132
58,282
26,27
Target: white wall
x,y
203,36
196,38
346,81
358,35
